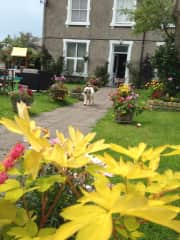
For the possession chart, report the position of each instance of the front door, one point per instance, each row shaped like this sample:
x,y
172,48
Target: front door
x,y
119,65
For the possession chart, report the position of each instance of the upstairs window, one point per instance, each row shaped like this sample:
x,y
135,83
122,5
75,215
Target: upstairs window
x,y
78,12
120,18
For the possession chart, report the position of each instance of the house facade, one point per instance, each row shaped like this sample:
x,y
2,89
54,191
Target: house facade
x,y
90,33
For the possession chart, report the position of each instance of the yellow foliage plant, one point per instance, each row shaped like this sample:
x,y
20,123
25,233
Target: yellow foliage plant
x,y
103,210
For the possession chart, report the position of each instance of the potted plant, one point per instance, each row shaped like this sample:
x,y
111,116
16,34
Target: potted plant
x,y
125,104
23,94
77,93
58,91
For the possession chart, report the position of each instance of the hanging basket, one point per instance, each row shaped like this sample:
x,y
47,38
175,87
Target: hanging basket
x,y
123,118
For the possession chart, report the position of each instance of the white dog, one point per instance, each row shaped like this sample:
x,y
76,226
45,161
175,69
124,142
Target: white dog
x,y
88,93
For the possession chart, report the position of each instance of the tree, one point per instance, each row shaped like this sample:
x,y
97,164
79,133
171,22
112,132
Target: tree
x,y
152,15
177,17
26,40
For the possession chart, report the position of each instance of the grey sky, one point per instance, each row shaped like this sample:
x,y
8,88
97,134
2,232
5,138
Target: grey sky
x,y
20,16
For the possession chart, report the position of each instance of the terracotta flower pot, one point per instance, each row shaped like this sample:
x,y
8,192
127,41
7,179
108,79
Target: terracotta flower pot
x,y
123,118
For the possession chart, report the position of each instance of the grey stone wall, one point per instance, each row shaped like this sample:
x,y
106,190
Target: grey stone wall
x,y
99,32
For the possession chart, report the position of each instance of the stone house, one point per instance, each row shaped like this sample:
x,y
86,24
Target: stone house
x,y
90,33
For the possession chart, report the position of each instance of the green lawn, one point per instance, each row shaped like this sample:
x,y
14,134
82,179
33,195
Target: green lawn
x,y
42,103
158,128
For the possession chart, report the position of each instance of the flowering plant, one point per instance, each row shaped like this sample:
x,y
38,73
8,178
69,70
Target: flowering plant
x,y
22,94
156,88
59,78
155,85
125,100
103,209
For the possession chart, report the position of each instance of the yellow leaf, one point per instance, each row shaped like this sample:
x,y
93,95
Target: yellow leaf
x,y
10,125
22,111
14,194
84,219
10,184
99,229
32,163
7,212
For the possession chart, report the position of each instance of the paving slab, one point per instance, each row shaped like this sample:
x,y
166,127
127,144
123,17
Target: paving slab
x,y
79,116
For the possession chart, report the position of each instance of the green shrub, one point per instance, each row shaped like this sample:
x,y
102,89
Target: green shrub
x,y
101,75
168,65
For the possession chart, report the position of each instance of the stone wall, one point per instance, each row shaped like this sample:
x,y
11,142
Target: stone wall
x,y
161,105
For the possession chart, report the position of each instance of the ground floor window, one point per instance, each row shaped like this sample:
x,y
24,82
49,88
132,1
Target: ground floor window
x,y
76,53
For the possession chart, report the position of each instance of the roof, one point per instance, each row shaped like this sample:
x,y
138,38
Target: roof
x,y
19,52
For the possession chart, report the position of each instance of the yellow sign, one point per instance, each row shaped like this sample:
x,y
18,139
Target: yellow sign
x,y
19,52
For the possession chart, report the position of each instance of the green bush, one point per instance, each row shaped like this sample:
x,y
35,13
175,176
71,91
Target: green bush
x,y
168,65
101,74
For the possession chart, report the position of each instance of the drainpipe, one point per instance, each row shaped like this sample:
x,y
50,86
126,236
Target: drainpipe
x,y
141,59
43,25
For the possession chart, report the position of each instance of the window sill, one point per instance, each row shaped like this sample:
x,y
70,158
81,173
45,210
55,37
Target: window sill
x,y
83,24
79,74
130,24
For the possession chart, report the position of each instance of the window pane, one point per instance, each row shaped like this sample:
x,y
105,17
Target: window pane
x,y
129,4
83,16
80,66
121,48
120,4
70,65
81,51
71,49
123,4
75,16
83,4
75,4
121,17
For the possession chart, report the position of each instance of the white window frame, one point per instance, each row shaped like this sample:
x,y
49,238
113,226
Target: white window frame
x,y
69,14
65,41
112,43
158,44
123,24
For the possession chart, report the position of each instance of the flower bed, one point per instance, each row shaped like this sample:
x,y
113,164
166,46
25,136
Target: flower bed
x,y
161,105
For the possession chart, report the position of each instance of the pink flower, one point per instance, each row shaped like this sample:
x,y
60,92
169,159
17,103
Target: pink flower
x,y
170,79
3,177
54,141
8,163
129,97
17,151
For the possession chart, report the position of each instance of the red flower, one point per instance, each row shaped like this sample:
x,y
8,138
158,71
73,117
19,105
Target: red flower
x,y
3,177
8,163
29,91
17,151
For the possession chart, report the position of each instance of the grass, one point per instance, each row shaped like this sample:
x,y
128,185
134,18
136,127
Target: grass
x,y
158,128
42,103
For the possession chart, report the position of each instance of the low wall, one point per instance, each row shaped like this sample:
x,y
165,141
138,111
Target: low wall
x,y
161,105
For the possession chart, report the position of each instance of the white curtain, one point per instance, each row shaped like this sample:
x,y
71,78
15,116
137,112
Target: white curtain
x,y
120,6
79,10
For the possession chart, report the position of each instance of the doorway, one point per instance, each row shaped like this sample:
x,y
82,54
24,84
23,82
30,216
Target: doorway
x,y
119,56
119,65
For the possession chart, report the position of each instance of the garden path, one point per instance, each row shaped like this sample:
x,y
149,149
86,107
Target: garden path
x,y
77,115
